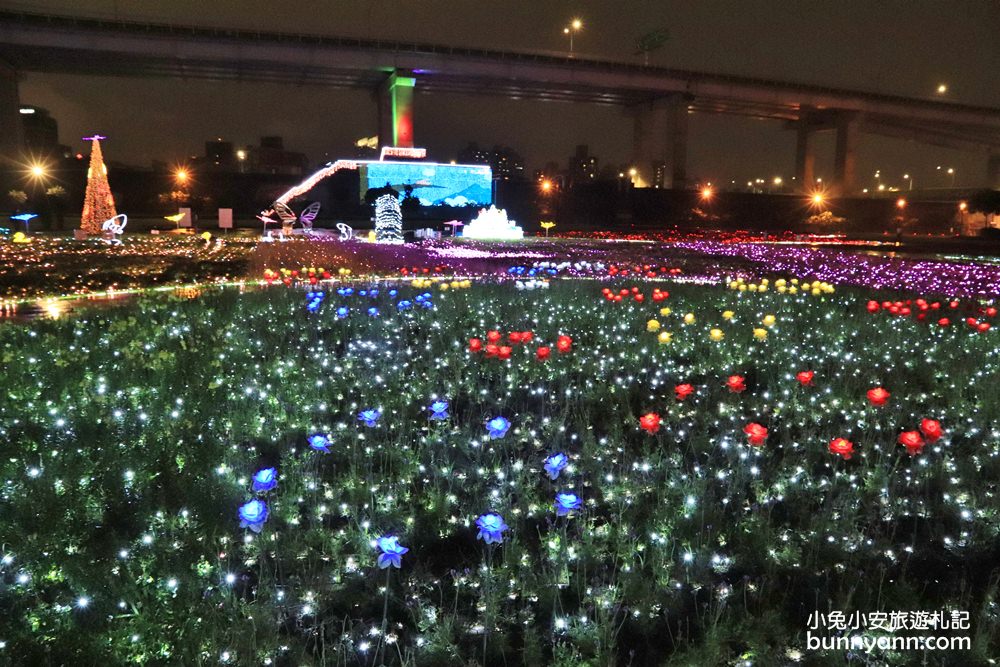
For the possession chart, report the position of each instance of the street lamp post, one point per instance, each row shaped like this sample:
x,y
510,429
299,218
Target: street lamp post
x,y
574,27
909,178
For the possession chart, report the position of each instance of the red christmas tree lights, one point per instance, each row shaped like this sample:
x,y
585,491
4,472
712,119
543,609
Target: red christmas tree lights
x,y
98,202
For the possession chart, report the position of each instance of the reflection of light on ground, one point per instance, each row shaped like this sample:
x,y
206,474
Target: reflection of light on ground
x,y
52,308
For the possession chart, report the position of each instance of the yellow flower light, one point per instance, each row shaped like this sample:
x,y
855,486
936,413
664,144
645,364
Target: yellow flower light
x,y
792,289
743,288
716,335
733,284
665,337
768,320
779,283
727,314
760,334
752,287
665,311
689,318
652,325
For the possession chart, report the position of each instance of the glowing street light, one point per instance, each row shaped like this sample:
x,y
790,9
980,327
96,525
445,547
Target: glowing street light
x,y
706,193
817,200
38,171
575,26
951,172
910,179
546,185
942,88
181,175
900,203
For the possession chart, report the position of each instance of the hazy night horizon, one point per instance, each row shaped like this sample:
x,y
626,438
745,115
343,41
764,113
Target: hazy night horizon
x,y
896,48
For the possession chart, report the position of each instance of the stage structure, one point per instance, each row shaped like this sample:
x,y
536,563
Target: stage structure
x,y
431,183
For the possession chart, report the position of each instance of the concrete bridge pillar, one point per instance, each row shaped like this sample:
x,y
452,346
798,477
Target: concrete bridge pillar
x,y
845,158
659,146
11,128
993,171
395,110
805,156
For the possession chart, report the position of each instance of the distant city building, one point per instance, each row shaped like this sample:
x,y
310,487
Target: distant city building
x,y
268,158
220,153
41,132
659,173
507,164
582,165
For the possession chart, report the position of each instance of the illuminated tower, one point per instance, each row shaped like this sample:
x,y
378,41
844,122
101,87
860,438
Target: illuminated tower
x,y
98,202
396,111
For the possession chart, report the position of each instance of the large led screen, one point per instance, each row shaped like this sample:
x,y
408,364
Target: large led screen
x,y
433,184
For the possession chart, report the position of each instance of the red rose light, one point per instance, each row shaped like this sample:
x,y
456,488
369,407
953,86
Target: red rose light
x,y
931,428
943,322
805,378
735,383
543,353
842,447
492,350
475,345
683,391
504,352
756,433
878,396
873,306
527,336
650,422
912,441
493,336
514,337
564,344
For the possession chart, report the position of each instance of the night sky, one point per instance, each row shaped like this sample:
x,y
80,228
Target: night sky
x,y
899,47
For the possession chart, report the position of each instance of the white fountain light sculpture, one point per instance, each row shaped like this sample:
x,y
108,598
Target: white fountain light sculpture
x,y
492,223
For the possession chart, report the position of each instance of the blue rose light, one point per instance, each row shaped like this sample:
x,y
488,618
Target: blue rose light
x,y
497,427
566,503
265,479
439,409
491,527
314,300
342,312
373,311
404,305
320,442
427,304
555,465
253,515
393,292
370,416
392,552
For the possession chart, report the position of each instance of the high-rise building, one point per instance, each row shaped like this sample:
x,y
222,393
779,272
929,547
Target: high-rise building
x,y
507,164
582,165
41,131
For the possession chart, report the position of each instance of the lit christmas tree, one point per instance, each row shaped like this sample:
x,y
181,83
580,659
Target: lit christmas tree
x,y
98,202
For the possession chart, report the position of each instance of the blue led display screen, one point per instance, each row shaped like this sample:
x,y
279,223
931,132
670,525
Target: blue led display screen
x,y
433,184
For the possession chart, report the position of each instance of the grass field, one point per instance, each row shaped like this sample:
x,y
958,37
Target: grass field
x,y
133,435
